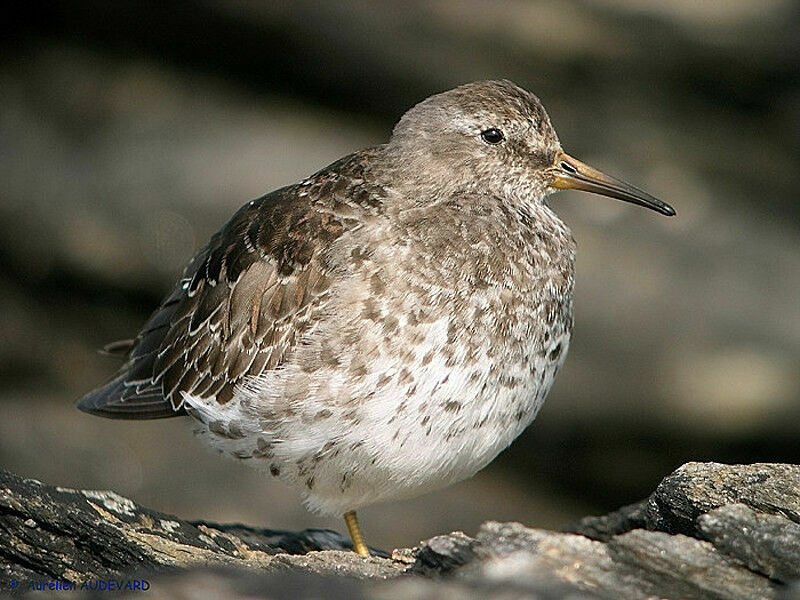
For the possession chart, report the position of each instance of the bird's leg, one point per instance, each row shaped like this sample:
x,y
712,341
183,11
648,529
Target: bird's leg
x,y
359,545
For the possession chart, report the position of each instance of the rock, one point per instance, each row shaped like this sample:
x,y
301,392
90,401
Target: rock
x,y
621,520
514,555
677,566
768,544
637,564
697,488
709,531
72,536
444,553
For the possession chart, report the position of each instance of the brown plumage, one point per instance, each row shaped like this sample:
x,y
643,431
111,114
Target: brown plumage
x,y
243,301
386,326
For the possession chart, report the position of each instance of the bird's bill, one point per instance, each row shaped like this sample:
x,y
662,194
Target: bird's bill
x,y
571,174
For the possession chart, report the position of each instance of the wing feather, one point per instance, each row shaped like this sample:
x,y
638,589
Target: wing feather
x,y
243,300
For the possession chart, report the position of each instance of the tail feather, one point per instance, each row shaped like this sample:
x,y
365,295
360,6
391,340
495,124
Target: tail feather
x,y
116,400
132,393
118,348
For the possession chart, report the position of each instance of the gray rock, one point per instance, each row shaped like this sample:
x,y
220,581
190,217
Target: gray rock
x,y
444,553
697,488
602,528
677,566
765,543
512,554
71,535
709,531
636,564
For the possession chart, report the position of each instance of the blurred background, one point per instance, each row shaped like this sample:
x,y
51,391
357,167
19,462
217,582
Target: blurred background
x,y
131,131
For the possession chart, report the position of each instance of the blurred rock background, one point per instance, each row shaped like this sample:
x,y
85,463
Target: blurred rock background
x,y
129,132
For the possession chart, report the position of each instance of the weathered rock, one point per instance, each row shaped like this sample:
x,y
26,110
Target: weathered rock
x,y
709,531
70,535
637,564
697,488
512,554
677,566
444,553
602,528
768,544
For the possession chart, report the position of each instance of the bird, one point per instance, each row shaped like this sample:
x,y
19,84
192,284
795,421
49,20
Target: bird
x,y
386,326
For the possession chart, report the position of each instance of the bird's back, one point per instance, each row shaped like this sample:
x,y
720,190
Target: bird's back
x,y
243,301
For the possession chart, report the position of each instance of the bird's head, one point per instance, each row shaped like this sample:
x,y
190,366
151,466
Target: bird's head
x,y
494,137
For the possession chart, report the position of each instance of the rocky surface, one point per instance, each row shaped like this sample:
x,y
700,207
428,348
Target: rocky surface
x,y
708,531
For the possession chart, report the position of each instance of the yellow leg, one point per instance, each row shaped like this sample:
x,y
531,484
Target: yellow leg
x,y
359,545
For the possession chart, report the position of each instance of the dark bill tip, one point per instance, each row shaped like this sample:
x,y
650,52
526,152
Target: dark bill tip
x,y
571,174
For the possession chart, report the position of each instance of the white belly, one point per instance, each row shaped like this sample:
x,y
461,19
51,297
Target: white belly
x,y
410,425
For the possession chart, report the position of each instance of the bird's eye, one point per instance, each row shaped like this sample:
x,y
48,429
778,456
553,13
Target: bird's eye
x,y
492,135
